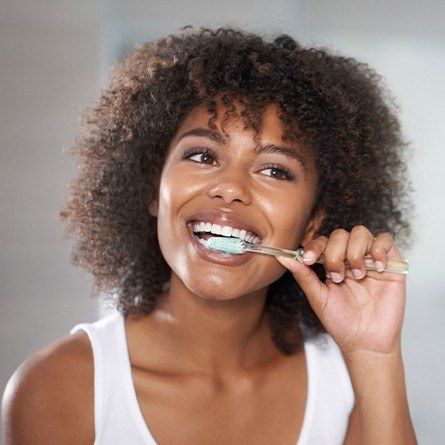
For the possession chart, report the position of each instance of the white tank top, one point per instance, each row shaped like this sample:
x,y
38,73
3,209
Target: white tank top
x,y
118,419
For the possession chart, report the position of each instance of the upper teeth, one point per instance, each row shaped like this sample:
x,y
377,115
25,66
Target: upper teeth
x,y
228,231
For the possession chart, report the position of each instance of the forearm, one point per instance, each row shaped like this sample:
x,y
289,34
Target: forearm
x,y
381,401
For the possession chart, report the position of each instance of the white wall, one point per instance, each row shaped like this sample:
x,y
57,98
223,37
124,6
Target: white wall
x,y
49,52
52,57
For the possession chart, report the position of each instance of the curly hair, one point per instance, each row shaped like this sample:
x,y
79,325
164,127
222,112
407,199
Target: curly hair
x,y
333,105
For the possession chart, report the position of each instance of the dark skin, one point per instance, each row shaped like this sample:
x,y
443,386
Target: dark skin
x,y
48,408
204,359
209,399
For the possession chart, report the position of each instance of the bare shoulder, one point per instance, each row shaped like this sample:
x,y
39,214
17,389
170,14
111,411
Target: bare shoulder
x,y
50,398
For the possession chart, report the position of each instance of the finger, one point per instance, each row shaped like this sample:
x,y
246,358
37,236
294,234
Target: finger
x,y
309,282
313,249
380,249
359,245
335,255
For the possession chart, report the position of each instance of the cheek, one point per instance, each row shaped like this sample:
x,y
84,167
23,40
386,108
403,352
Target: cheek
x,y
288,216
176,190
178,185
167,231
166,202
294,226
173,192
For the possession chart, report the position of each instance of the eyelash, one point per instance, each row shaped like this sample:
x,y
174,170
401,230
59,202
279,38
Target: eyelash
x,y
197,151
284,173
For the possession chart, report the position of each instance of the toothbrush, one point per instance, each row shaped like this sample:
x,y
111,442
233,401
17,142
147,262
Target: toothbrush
x,y
237,246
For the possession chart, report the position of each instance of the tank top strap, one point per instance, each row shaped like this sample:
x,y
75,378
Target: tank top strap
x,y
330,398
117,416
99,374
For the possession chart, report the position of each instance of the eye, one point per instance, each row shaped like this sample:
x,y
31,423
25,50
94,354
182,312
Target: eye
x,y
200,156
277,172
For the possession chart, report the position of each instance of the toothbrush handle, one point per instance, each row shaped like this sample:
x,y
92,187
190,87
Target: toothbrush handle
x,y
274,251
393,265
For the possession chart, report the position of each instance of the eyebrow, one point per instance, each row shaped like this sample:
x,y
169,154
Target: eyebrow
x,y
217,137
286,151
205,132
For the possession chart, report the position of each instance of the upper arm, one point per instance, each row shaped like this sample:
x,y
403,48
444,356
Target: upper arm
x,y
353,433
50,398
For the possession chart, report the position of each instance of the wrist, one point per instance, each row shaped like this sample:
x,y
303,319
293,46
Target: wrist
x,y
380,349
380,396
371,357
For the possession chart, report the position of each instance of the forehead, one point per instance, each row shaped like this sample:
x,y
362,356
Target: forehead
x,y
225,121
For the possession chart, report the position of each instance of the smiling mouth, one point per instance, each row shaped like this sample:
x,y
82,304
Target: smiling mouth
x,y
205,230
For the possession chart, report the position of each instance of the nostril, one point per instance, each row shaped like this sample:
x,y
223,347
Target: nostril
x,y
230,192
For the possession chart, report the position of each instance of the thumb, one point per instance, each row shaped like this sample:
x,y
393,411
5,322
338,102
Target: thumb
x,y
309,282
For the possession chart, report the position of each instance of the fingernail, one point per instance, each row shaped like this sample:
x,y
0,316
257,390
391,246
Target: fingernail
x,y
336,277
358,274
379,266
308,256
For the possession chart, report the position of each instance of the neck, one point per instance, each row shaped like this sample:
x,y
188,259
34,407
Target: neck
x,y
216,336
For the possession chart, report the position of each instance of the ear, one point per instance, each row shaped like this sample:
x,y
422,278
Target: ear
x,y
153,203
153,207
313,225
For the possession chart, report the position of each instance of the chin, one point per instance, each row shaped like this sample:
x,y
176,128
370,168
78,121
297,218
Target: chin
x,y
216,288
216,282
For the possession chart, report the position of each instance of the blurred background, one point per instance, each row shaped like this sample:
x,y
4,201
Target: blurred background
x,y
54,57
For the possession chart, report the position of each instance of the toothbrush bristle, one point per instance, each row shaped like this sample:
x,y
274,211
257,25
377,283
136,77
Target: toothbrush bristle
x,y
226,245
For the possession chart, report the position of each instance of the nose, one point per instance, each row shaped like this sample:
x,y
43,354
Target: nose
x,y
231,187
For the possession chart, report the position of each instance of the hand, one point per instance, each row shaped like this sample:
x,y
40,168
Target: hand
x,y
362,310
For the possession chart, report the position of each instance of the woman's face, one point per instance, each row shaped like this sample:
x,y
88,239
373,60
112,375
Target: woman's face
x,y
262,190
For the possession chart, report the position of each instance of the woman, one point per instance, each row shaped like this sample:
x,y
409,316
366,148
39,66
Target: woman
x,y
223,133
